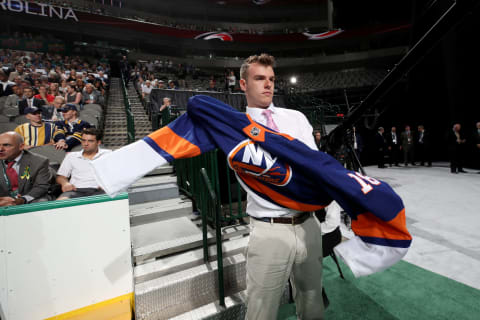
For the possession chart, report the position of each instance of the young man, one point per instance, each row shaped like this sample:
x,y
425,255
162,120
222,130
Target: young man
x,y
35,132
76,175
269,264
29,101
68,133
26,176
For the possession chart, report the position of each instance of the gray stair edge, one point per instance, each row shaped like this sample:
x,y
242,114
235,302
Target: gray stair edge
x,y
154,180
185,275
186,260
235,301
157,250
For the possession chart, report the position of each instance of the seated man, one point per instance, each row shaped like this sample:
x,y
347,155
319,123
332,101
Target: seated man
x,y
90,95
10,109
76,167
26,176
68,133
29,100
35,132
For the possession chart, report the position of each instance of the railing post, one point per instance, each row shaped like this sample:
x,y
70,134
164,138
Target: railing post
x,y
218,236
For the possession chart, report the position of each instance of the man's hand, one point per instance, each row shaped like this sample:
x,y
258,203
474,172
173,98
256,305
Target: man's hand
x,y
68,187
61,145
7,201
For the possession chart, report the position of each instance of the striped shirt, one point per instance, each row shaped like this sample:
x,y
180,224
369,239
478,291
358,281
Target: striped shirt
x,y
36,136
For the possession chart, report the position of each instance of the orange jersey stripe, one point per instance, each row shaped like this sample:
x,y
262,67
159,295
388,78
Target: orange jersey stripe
x,y
254,184
173,144
368,225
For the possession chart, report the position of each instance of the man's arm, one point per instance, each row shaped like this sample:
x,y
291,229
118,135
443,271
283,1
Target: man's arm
x,y
41,181
65,183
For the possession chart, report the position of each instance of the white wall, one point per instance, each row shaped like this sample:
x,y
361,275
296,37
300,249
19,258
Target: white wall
x,y
58,260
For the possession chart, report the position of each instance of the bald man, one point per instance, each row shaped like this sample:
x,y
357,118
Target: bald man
x,y
25,177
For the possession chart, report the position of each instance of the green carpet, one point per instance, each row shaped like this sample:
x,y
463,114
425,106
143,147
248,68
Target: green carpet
x,y
404,291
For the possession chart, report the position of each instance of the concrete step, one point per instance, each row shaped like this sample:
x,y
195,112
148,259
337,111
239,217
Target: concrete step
x,y
180,292
161,170
185,260
235,309
154,180
152,193
160,210
159,239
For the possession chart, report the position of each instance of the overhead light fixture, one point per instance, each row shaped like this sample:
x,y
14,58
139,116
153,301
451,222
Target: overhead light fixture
x,y
293,80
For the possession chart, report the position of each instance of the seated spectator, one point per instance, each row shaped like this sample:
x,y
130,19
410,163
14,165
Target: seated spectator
x,y
68,133
211,86
58,104
29,101
5,85
19,72
171,85
76,175
160,84
35,132
146,90
42,94
63,86
53,89
10,107
26,176
90,95
72,95
99,87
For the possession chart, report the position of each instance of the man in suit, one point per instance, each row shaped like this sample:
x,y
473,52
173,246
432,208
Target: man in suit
x,y
476,141
29,101
6,86
381,145
456,148
407,146
90,95
393,142
423,146
26,177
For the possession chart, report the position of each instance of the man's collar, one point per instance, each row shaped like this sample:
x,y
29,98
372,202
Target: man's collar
x,y
17,159
258,111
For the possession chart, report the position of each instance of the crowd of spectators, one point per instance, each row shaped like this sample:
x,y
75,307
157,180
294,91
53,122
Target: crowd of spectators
x,y
47,103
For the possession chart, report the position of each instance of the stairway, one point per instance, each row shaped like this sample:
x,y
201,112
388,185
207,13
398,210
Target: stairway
x,y
115,133
170,277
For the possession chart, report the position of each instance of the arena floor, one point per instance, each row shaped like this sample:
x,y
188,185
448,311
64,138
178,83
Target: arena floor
x,y
439,278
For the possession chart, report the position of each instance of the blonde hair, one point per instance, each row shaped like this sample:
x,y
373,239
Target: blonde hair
x,y
264,59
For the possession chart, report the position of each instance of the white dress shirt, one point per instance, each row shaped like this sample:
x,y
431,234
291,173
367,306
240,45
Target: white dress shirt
x,y
293,123
76,167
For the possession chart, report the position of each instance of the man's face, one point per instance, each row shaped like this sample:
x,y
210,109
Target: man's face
x,y
68,115
89,89
35,118
90,143
28,93
318,136
394,129
259,85
478,125
457,127
9,147
57,103
407,128
20,68
166,101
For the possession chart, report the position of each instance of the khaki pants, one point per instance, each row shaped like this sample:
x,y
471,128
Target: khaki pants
x,y
275,253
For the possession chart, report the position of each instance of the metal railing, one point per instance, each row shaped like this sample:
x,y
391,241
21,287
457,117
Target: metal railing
x,y
128,113
211,204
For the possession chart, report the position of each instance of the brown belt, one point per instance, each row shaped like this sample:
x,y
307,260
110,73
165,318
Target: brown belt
x,y
297,219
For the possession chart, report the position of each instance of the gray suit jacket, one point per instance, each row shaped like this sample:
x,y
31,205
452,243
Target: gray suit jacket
x,y
37,183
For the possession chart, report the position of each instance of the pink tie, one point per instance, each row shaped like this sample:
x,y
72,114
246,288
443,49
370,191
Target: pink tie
x,y
270,123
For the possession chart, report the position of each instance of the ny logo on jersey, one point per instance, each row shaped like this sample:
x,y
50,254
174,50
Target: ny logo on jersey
x,y
249,158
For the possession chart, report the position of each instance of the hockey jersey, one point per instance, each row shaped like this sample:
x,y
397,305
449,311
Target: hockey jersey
x,y
278,168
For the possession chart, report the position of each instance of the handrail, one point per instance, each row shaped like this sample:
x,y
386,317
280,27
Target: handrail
x,y
218,235
128,114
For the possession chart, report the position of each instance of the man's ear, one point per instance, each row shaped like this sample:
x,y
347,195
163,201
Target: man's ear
x,y
243,84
